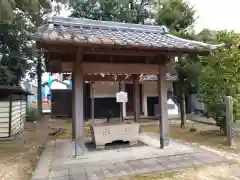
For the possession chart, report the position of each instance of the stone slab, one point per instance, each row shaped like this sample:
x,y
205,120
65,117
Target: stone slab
x,y
76,170
146,166
58,160
59,178
62,172
111,171
208,157
36,178
125,169
94,172
78,177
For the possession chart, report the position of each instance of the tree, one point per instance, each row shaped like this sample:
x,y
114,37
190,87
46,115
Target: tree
x,y
178,16
220,75
113,10
19,19
8,8
16,51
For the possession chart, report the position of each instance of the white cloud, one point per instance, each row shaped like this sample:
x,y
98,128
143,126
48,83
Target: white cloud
x,y
217,14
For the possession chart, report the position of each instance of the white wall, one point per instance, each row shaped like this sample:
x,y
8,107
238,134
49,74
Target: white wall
x,y
58,85
109,89
4,119
150,87
18,117
150,90
105,89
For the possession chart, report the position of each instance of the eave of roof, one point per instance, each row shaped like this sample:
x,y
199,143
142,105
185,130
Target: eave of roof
x,y
78,31
14,90
168,77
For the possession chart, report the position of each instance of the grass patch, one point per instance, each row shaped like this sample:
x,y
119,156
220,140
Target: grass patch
x,y
210,172
156,176
150,128
205,134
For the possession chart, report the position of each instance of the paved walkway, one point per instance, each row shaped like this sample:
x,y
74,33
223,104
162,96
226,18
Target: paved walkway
x,y
57,162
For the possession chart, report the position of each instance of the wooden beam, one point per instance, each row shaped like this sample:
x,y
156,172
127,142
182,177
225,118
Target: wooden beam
x,y
126,78
48,47
102,49
127,59
60,56
120,68
121,51
90,68
104,58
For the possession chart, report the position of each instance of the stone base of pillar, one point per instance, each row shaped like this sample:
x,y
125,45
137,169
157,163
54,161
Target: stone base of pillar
x,y
164,142
80,148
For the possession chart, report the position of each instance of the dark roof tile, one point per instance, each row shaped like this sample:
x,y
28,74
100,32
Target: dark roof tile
x,y
123,34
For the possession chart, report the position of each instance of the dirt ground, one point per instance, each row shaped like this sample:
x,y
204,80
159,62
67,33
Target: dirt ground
x,y
18,157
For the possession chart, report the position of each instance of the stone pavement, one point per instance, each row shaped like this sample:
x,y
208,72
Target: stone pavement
x,y
57,161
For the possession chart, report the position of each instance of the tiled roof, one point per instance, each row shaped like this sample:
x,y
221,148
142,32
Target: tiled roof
x,y
168,77
80,31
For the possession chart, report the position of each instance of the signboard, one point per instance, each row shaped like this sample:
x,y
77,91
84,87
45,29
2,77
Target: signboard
x,y
122,97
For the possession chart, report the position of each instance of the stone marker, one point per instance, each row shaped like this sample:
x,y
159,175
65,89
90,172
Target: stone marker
x,y
229,119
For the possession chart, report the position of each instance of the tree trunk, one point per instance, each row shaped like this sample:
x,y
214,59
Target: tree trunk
x,y
39,82
182,103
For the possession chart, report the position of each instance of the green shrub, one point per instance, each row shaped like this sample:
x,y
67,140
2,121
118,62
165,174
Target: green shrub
x,y
33,114
216,111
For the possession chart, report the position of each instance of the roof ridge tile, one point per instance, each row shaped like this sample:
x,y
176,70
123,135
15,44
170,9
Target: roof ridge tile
x,y
56,20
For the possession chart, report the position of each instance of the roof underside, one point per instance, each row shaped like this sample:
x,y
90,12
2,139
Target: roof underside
x,y
80,32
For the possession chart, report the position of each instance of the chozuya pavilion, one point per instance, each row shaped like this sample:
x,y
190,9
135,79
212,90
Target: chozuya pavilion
x,y
88,48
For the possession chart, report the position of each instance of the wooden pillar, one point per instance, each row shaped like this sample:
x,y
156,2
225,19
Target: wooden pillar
x,y
73,107
136,101
124,104
120,86
92,100
78,105
163,117
144,100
